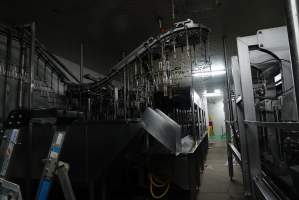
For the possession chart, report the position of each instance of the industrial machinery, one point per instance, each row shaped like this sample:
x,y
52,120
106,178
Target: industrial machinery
x,y
150,72
144,129
13,125
263,115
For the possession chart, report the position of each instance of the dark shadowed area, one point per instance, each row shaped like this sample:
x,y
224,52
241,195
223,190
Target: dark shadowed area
x,y
108,28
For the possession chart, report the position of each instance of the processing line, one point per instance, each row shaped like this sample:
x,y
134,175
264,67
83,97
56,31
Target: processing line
x,y
141,132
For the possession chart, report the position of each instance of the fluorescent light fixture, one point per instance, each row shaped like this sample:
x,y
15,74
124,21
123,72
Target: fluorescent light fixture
x,y
217,67
216,93
208,73
212,95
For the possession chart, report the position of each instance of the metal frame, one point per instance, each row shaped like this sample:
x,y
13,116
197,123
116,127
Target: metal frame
x,y
10,190
269,39
250,134
240,118
31,63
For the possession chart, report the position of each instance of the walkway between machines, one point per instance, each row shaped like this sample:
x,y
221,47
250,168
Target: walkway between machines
x,y
216,184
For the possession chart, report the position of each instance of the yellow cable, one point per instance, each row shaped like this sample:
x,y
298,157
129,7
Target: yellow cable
x,y
152,183
160,196
158,180
159,185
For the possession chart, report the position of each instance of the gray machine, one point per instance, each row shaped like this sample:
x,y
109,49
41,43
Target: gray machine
x,y
264,126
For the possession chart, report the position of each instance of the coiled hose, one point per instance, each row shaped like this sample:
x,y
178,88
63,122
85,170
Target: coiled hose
x,y
155,182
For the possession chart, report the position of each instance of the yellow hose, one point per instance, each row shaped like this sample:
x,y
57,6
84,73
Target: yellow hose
x,y
158,180
158,185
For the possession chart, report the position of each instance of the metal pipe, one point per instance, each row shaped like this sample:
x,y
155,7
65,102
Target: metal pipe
x,y
227,80
228,113
7,66
45,71
89,107
125,93
28,176
293,33
81,65
81,74
125,88
21,71
58,85
51,81
173,11
37,67
31,61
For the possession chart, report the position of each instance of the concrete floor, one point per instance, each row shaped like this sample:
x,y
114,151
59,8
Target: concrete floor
x,y
216,183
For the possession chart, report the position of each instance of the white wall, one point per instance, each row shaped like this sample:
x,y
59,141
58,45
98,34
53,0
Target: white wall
x,y
216,110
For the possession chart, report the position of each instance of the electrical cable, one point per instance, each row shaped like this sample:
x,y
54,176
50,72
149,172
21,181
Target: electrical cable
x,y
160,184
256,47
270,60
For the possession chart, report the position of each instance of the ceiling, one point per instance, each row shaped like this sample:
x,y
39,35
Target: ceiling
x,y
109,27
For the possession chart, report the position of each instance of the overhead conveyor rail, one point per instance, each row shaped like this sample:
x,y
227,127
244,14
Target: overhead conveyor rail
x,y
180,27
36,76
151,42
22,34
139,121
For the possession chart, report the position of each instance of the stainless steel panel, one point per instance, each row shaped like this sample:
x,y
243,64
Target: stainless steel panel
x,y
162,128
240,118
249,107
177,128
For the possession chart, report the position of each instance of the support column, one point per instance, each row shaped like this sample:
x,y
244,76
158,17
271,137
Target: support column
x,y
31,61
293,32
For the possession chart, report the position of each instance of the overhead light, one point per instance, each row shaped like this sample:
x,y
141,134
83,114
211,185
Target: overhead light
x,y
212,95
208,73
216,93
217,67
